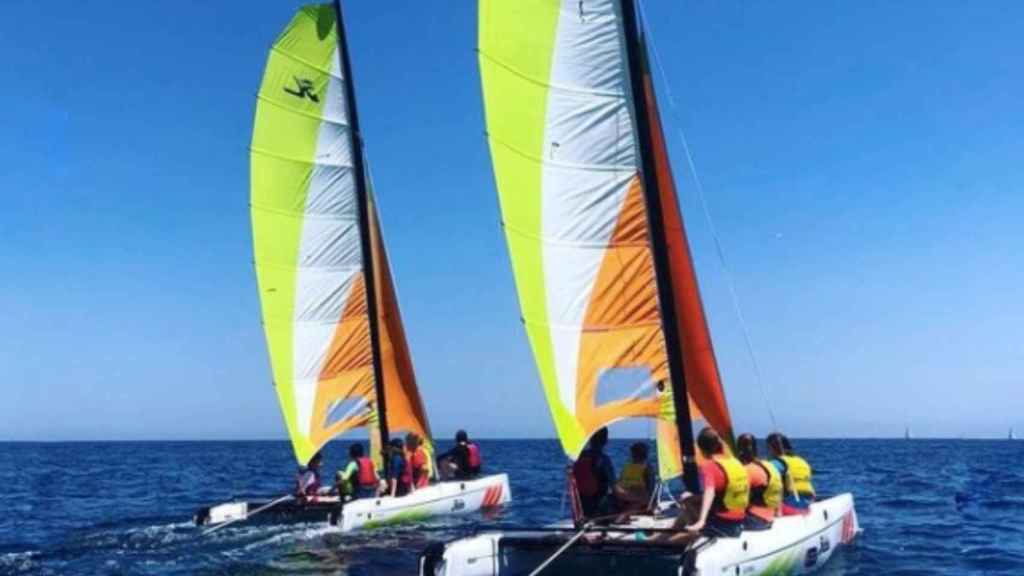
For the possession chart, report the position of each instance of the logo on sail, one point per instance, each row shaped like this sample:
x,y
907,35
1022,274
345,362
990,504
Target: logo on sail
x,y
305,88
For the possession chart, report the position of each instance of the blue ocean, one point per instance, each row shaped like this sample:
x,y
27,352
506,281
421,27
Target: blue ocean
x,y
926,507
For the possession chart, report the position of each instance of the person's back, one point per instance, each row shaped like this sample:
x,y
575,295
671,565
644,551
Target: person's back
x,y
765,485
359,478
307,481
593,474
419,461
463,461
399,474
796,475
635,486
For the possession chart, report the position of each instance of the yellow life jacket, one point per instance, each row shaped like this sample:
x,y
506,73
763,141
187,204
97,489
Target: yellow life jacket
x,y
737,483
771,495
798,476
633,476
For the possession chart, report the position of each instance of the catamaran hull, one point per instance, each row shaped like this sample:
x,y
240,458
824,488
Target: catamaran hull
x,y
445,498
794,545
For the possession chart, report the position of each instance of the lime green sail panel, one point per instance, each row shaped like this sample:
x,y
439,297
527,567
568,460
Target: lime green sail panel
x,y
306,241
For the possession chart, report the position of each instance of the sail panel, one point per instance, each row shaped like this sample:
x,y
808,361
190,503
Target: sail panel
x,y
305,234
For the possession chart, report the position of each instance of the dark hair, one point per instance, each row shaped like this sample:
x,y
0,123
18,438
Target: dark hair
x,y
709,442
356,450
412,440
599,439
779,444
316,459
397,443
638,451
461,436
746,448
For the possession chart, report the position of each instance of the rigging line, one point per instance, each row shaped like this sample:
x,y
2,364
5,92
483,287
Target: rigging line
x,y
766,398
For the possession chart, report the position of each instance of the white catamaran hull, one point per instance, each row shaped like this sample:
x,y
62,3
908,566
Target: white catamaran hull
x,y
794,545
445,498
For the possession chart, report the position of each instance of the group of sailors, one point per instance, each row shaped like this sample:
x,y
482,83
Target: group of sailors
x,y
741,492
407,467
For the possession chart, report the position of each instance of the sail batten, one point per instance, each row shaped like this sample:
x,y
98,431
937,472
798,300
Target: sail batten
x,y
316,259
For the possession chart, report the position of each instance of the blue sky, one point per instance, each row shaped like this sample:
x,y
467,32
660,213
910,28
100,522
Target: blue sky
x,y
862,161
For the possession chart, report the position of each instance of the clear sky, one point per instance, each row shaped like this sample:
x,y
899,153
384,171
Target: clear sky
x,y
863,162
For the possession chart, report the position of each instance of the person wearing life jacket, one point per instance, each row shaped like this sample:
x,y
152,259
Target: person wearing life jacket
x,y
796,476
593,474
726,492
399,474
766,488
463,461
359,478
419,461
636,482
307,481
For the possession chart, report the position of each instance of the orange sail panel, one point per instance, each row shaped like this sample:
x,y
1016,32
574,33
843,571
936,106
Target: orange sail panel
x,y
703,382
404,407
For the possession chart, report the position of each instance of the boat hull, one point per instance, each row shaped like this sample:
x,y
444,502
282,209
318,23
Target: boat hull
x,y
794,545
444,498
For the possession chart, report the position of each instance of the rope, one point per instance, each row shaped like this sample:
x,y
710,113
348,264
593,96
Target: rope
x,y
707,216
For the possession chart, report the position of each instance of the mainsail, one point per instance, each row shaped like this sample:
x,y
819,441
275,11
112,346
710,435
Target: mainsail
x,y
606,284
337,347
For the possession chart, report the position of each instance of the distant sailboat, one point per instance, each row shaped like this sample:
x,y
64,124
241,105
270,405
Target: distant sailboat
x,y
1011,436
906,434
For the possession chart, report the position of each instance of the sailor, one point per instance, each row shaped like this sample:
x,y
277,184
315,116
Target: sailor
x,y
637,480
765,485
726,490
419,461
307,481
359,478
594,473
463,461
796,475
399,475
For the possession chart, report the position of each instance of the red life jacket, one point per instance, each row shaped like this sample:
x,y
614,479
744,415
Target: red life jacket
x,y
584,470
474,456
405,477
367,474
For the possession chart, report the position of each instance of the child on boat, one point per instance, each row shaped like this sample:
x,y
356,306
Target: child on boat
x,y
796,474
765,485
637,481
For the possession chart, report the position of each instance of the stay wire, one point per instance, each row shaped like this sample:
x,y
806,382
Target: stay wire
x,y
766,398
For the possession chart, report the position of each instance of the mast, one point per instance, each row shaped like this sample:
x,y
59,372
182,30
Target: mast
x,y
362,202
636,52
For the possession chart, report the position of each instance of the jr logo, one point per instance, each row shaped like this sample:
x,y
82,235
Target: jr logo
x,y
458,505
305,88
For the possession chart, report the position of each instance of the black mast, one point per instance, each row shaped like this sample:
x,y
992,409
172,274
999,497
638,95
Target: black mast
x,y
636,52
362,201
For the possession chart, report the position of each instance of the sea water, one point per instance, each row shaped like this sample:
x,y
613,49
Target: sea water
x,y
926,507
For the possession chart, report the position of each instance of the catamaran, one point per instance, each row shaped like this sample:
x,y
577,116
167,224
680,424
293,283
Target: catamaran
x,y
337,346
608,291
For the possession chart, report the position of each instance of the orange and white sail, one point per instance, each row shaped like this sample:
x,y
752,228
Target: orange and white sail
x,y
317,242
565,139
